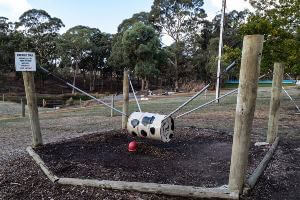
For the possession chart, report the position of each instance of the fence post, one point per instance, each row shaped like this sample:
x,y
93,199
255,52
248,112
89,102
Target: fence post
x,y
23,107
125,98
275,102
44,103
112,105
32,108
3,98
245,107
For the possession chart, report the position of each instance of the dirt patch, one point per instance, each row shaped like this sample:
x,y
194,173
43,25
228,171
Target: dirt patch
x,y
197,157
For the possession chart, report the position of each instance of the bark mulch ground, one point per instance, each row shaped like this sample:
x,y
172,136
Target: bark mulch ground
x,y
196,157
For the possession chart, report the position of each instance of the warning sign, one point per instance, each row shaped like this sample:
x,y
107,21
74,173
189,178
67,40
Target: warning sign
x,y
25,61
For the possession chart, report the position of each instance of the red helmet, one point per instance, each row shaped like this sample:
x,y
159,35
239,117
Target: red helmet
x,y
132,146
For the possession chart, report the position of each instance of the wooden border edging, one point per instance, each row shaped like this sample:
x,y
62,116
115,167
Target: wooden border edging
x,y
250,183
165,189
41,163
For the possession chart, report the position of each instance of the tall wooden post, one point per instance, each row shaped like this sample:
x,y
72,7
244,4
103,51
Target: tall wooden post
x,y
3,98
250,69
112,105
275,102
125,98
32,108
23,107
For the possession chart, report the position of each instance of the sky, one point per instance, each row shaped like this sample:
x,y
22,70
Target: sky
x,y
103,14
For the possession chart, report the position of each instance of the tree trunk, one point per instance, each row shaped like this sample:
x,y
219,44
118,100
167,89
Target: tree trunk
x,y
91,81
84,79
74,78
176,73
143,85
147,84
94,80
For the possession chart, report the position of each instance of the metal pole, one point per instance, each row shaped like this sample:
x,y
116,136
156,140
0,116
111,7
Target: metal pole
x,y
291,99
203,105
188,101
220,51
83,92
137,102
210,102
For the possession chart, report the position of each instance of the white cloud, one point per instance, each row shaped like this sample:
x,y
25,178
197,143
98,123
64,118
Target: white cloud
x,y
14,8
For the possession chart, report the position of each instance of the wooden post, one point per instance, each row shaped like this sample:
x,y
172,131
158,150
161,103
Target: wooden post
x,y
275,102
250,69
44,103
125,98
23,107
32,108
112,105
3,98
80,102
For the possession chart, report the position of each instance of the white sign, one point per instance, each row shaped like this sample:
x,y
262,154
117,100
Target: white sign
x,y
25,61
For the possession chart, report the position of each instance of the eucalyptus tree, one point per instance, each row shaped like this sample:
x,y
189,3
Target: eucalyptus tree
x,y
96,61
5,34
279,21
178,19
76,45
126,24
141,47
41,31
117,60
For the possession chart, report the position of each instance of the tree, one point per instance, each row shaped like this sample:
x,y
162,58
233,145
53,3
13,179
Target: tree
x,y
75,45
41,31
178,19
96,59
142,17
5,34
141,47
279,22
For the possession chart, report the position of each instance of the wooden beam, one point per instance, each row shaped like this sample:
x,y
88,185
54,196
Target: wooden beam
x,y
125,98
245,107
275,102
32,108
250,183
41,163
165,189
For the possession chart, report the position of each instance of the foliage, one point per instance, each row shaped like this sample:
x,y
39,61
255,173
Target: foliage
x,y
179,19
141,46
279,22
41,31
